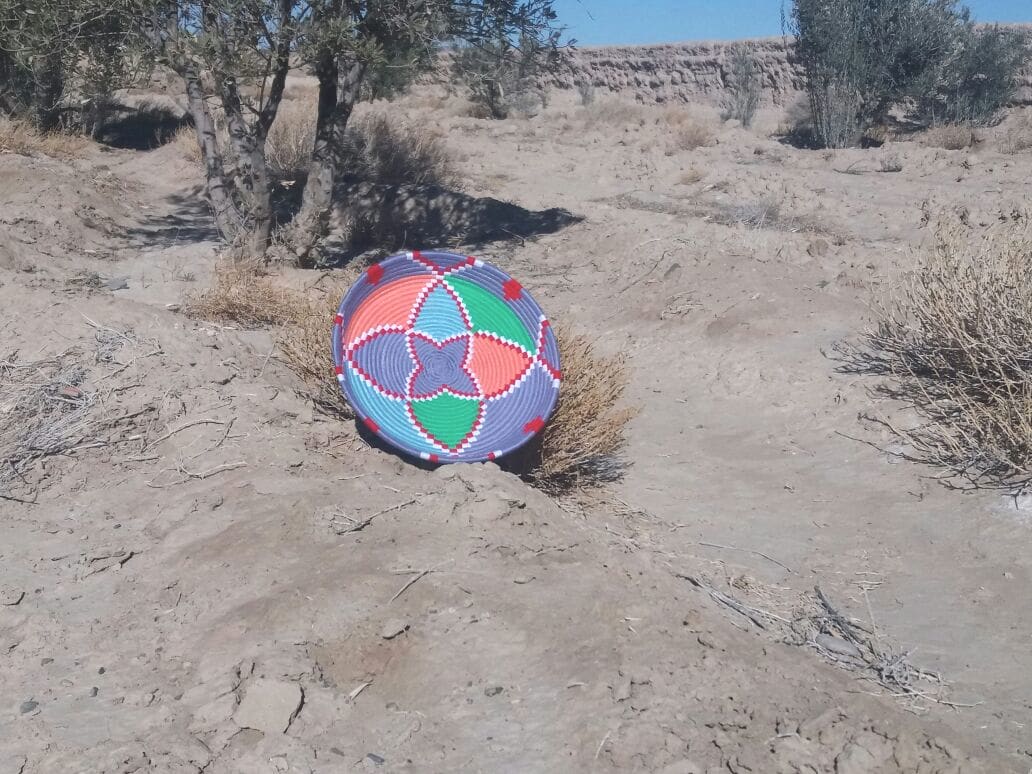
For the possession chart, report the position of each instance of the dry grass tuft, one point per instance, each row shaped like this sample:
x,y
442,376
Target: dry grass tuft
x,y
950,137
395,153
687,132
583,442
242,294
613,112
20,138
956,346
1018,137
185,142
288,148
691,176
380,149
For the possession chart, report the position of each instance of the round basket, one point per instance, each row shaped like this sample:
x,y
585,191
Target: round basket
x,y
446,357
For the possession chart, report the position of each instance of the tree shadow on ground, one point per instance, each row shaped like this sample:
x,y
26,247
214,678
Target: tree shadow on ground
x,y
141,127
189,220
371,216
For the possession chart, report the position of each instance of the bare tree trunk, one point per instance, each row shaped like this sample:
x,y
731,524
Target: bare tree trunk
x,y
228,219
48,87
251,173
338,92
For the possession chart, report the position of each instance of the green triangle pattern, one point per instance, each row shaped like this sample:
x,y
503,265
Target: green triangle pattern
x,y
490,314
446,417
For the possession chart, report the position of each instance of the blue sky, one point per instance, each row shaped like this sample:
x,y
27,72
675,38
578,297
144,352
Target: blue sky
x,y
604,22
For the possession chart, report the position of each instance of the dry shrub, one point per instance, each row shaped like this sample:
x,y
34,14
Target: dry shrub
x,y
185,142
582,444
1018,136
379,149
766,214
613,112
242,294
690,176
288,148
686,131
396,153
20,138
950,136
956,346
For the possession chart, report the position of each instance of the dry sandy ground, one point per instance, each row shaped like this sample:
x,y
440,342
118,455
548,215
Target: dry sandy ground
x,y
192,596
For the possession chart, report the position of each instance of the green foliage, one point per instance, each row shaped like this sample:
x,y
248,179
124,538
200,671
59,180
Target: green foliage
x,y
978,81
743,85
502,74
55,49
863,57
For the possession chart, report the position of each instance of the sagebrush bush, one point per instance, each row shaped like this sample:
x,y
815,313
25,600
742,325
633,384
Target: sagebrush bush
x,y
955,345
501,76
396,153
378,149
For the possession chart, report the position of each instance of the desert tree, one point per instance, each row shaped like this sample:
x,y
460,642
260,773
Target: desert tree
x,y
234,57
863,57
49,47
502,74
977,80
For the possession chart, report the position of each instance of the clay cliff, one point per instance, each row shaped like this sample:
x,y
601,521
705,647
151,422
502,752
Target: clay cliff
x,y
698,71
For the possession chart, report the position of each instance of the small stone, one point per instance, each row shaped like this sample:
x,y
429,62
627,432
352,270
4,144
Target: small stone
x,y
837,645
393,628
622,690
523,579
269,706
101,671
28,706
493,690
117,283
855,759
94,691
173,307
379,760
45,661
10,596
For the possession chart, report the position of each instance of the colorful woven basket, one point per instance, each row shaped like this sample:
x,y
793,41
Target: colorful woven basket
x,y
446,357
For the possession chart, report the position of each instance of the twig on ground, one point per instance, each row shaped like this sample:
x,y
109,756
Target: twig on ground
x,y
418,575
181,428
748,551
358,526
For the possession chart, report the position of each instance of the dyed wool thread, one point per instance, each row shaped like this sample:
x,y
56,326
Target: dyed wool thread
x,y
446,357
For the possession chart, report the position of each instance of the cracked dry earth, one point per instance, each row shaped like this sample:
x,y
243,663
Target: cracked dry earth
x,y
227,580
